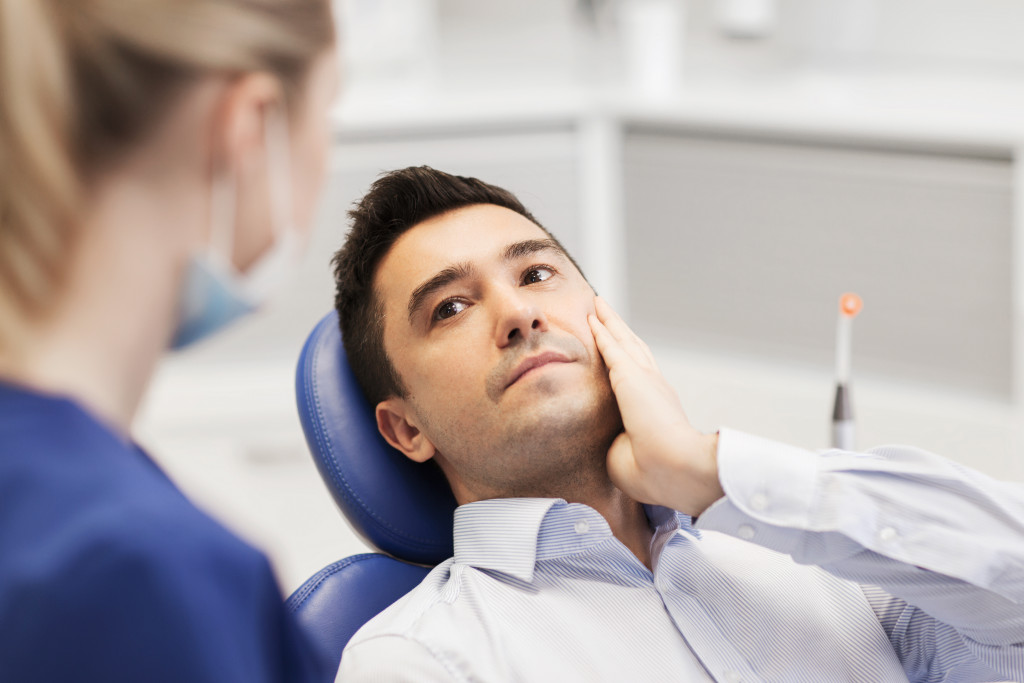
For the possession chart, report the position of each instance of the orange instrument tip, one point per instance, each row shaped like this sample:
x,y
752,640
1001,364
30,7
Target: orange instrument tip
x,y
850,304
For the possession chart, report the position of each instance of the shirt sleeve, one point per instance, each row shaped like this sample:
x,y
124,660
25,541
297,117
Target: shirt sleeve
x,y
393,658
943,544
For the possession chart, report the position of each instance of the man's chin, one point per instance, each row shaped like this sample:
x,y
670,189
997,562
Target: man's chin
x,y
568,420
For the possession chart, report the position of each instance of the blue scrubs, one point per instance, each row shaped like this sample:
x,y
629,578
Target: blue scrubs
x,y
108,573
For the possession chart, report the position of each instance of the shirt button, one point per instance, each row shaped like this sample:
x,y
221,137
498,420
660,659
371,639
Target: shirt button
x,y
887,534
733,677
759,501
581,527
746,532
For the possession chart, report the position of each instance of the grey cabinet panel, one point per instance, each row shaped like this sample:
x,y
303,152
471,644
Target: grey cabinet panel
x,y
538,166
745,246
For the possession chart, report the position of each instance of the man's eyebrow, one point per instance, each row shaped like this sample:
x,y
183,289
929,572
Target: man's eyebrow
x,y
454,273
462,271
526,247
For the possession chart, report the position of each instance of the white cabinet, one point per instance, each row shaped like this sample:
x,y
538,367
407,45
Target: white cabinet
x,y
744,244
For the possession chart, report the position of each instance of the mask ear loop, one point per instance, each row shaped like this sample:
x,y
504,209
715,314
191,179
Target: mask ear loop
x,y
223,197
222,218
276,139
264,276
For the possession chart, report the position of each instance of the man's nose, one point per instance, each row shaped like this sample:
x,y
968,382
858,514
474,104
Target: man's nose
x,y
519,319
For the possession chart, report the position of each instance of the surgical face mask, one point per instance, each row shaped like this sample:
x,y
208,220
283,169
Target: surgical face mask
x,y
213,293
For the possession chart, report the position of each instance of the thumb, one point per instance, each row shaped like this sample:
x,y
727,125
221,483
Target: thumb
x,y
621,464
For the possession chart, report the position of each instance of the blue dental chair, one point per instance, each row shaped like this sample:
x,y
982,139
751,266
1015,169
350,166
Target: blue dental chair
x,y
402,508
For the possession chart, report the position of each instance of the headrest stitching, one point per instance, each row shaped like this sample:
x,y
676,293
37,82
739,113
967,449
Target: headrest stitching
x,y
313,583
326,445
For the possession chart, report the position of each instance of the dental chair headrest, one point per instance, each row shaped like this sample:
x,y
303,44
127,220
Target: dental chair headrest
x,y
402,508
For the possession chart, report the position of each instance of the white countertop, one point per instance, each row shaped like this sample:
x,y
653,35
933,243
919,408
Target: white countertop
x,y
977,111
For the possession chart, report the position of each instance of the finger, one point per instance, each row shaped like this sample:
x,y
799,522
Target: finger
x,y
621,463
623,333
615,356
616,326
622,468
626,332
626,377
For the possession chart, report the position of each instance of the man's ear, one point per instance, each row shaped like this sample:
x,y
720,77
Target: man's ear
x,y
393,421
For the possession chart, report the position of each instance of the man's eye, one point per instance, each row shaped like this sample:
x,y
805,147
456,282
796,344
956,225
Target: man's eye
x,y
537,274
449,308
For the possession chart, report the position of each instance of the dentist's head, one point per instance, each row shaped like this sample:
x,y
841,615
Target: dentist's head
x,y
159,163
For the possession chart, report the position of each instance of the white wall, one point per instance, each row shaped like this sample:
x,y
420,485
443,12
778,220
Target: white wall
x,y
982,34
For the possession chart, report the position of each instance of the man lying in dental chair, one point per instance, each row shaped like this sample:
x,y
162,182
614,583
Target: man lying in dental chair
x,y
600,536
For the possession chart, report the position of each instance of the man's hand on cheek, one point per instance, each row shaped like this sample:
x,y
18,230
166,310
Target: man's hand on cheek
x,y
660,458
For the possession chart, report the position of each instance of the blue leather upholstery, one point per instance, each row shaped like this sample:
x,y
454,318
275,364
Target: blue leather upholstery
x,y
343,596
403,508
400,507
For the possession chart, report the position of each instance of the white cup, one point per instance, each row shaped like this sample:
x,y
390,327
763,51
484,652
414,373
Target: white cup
x,y
652,44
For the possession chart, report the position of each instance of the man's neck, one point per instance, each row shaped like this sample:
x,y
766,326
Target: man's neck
x,y
584,480
627,519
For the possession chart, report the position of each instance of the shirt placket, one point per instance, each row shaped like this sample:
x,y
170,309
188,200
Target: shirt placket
x,y
696,626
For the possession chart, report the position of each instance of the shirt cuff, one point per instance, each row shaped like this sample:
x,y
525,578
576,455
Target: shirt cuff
x,y
770,491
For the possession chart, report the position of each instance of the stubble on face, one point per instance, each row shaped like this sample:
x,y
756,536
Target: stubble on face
x,y
554,446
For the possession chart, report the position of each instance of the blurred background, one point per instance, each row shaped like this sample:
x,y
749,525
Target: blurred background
x,y
723,170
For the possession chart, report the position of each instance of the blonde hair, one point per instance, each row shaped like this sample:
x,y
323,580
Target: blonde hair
x,y
83,81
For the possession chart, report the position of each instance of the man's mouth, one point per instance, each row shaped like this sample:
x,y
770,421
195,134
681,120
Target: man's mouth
x,y
534,362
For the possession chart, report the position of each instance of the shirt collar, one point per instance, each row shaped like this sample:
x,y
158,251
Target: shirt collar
x,y
501,533
510,535
665,520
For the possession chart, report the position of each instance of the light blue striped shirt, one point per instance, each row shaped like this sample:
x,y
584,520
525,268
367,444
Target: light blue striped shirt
x,y
888,566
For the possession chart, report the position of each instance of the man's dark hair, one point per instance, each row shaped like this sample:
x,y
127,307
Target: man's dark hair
x,y
396,202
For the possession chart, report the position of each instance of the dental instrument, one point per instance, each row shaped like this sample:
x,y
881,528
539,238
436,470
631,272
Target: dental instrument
x,y
843,431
